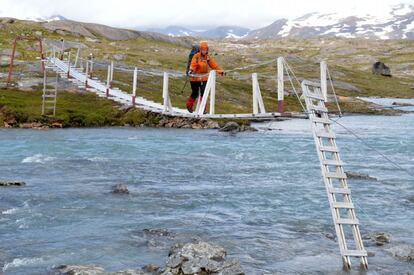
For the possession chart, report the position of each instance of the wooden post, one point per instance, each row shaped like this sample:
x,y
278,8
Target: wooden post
x,y
280,85
324,84
134,86
213,93
108,81
165,94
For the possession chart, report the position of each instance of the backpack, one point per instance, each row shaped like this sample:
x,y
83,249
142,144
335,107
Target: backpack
x,y
195,49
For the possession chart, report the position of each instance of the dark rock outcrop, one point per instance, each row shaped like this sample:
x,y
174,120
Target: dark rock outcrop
x,y
234,127
184,259
7,183
97,270
378,238
120,189
380,68
359,176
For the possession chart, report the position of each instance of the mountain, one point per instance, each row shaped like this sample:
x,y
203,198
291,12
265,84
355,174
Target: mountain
x,y
45,19
218,32
397,23
225,32
175,31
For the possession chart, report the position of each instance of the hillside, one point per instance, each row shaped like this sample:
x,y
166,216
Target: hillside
x,y
349,60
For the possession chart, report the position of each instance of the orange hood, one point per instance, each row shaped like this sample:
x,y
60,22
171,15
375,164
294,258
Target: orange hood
x,y
203,45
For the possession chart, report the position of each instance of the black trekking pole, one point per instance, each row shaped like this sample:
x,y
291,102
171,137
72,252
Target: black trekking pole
x,y
185,85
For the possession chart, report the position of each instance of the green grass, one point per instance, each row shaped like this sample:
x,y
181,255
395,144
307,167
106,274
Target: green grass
x,y
349,61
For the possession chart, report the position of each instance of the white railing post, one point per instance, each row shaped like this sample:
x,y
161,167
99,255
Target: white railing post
x,y
91,69
258,104
69,66
77,58
111,75
108,81
134,86
324,84
213,94
211,79
280,85
62,49
165,94
255,103
86,74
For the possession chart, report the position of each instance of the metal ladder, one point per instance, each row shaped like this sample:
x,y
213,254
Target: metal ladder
x,y
335,179
49,96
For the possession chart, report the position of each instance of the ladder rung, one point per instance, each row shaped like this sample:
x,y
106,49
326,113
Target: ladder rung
x,y
344,191
319,109
49,95
331,149
354,253
49,107
321,120
335,175
315,96
347,221
324,134
332,162
347,205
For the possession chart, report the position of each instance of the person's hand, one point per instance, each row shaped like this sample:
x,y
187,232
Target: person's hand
x,y
190,72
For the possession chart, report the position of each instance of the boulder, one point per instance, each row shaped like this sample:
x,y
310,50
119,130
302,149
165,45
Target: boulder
x,y
95,270
120,189
234,127
403,252
379,238
359,176
7,183
230,127
78,270
200,258
380,68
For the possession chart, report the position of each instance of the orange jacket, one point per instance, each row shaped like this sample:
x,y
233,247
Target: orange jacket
x,y
200,64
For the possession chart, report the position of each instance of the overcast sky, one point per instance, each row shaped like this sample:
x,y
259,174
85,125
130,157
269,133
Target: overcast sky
x,y
161,13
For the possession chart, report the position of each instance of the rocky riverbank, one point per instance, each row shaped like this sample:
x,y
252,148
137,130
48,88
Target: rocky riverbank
x,y
200,258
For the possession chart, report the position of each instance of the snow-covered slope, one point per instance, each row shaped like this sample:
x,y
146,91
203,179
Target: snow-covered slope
x,y
396,23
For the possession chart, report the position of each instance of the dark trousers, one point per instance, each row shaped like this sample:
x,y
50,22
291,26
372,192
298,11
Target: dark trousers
x,y
197,88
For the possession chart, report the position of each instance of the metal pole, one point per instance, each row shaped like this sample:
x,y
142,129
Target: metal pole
x,y
9,77
280,85
324,83
134,86
62,49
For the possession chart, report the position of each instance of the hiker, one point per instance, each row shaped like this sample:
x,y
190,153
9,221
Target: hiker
x,y
198,72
